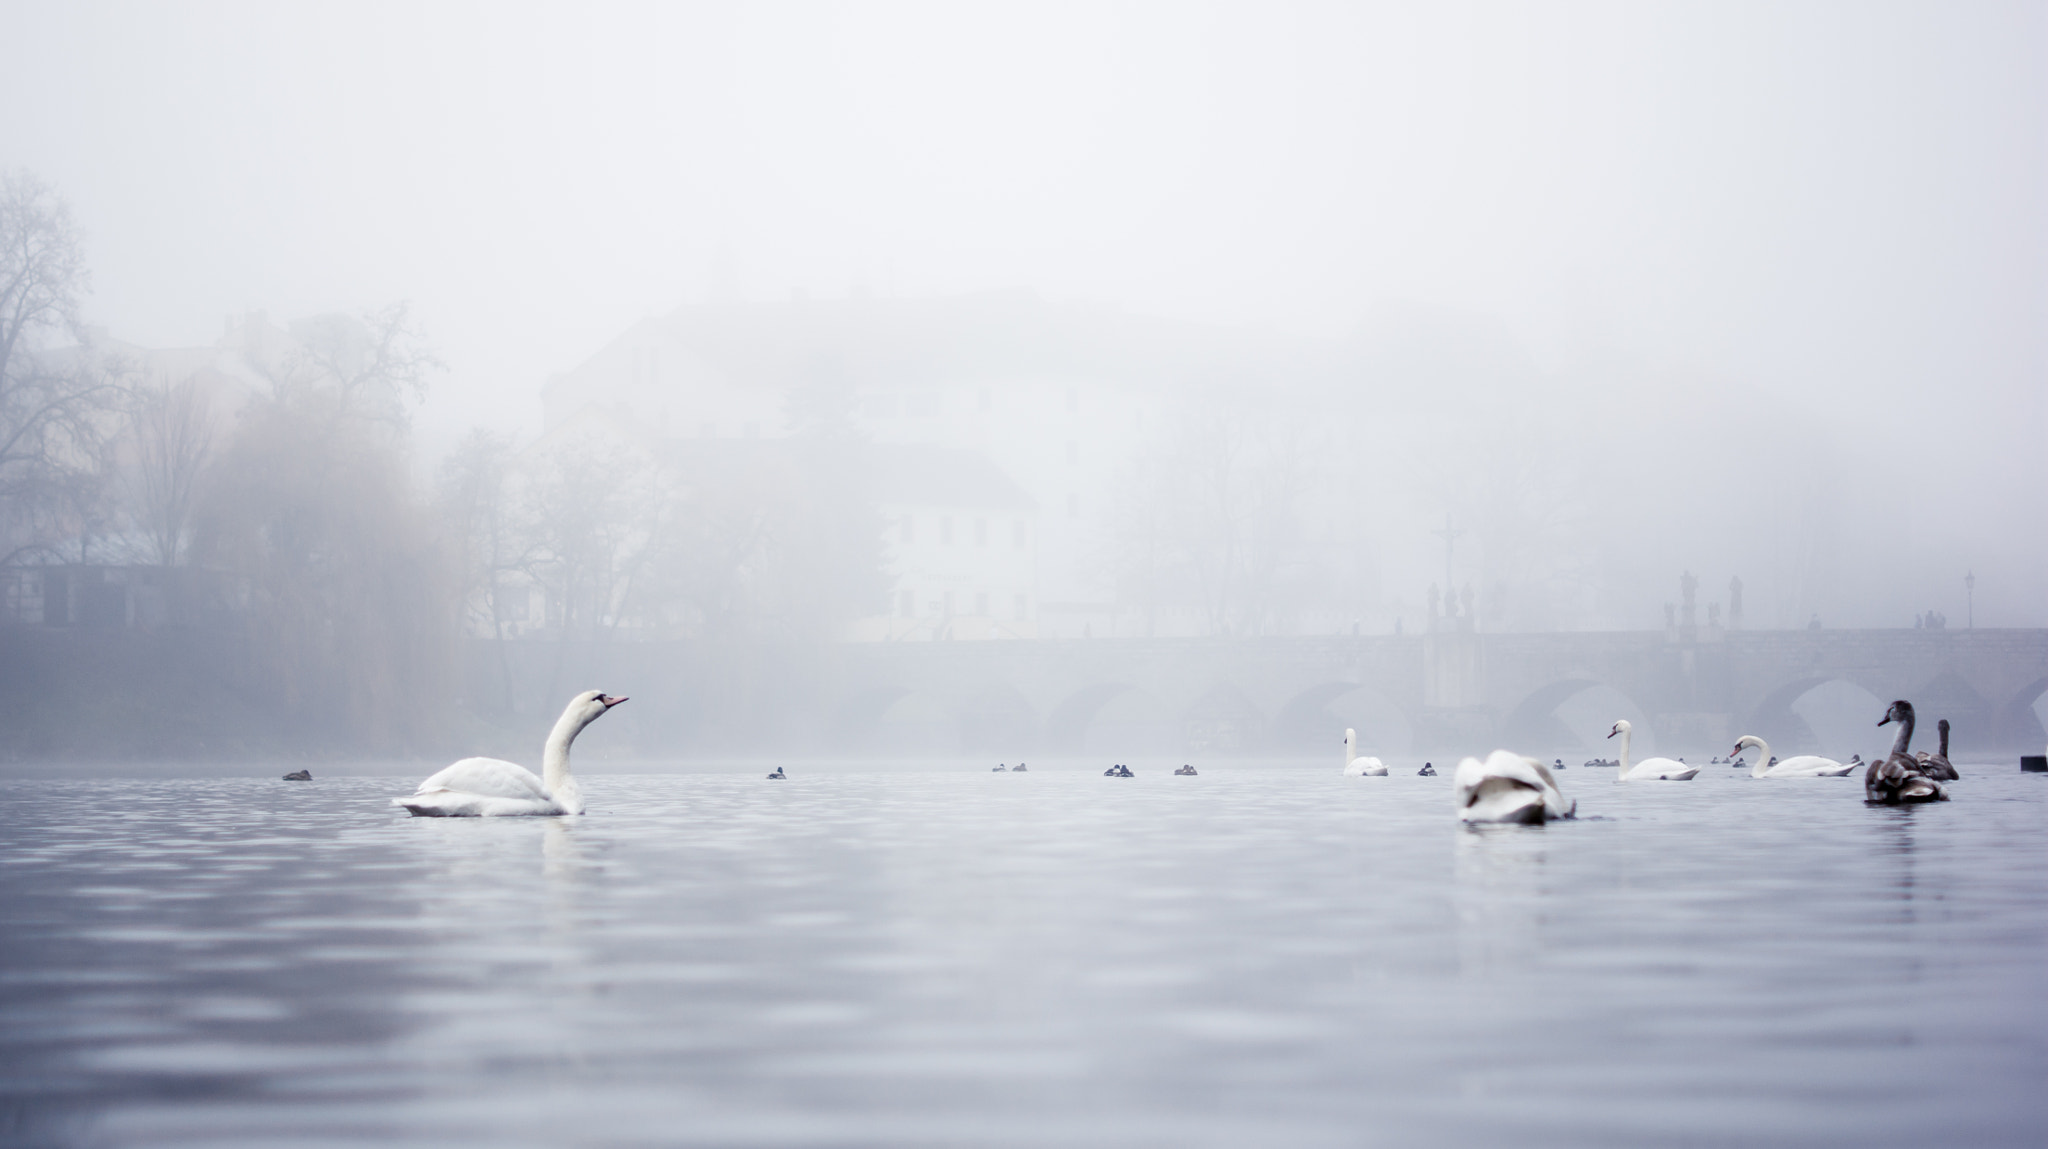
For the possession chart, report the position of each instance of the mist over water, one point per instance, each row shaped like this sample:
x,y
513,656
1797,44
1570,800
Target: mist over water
x,y
883,394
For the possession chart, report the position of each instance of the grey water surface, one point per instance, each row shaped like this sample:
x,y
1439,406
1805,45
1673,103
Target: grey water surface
x,y
1247,957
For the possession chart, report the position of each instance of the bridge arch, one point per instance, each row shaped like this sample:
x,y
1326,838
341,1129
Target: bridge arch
x,y
1313,721
1819,714
2021,721
1111,717
1222,721
1575,714
897,720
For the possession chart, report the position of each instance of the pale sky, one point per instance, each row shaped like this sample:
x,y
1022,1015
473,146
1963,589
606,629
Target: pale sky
x,y
1842,204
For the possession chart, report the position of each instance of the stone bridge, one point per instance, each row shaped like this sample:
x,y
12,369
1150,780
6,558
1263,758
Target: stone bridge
x,y
1433,693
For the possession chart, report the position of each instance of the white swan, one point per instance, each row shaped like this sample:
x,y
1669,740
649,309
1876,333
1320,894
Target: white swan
x,y
1649,769
492,787
1508,787
1798,766
1357,765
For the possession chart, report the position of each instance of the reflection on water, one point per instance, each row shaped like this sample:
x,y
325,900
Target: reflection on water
x,y
1244,957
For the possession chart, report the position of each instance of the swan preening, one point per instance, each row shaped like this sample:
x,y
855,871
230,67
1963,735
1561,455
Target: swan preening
x,y
1508,787
1649,769
492,787
1798,766
1899,778
1355,764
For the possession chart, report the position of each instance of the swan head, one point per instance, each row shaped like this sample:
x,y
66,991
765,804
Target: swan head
x,y
1746,742
1620,727
1900,711
591,705
1350,736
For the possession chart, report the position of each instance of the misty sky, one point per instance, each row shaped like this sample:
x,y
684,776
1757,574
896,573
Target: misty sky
x,y
1844,205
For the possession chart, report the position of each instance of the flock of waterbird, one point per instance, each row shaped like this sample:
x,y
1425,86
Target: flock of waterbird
x,y
1510,787
1505,787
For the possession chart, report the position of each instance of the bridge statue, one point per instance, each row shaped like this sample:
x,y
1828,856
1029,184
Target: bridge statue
x,y
1465,597
1434,598
1688,589
1734,603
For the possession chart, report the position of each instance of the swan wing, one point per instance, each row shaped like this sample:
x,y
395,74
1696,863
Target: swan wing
x,y
488,778
1508,787
1661,770
1808,766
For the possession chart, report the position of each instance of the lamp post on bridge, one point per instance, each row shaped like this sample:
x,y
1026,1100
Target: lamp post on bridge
x,y
1970,587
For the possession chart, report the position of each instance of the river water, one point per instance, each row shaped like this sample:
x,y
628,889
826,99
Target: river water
x,y
1254,956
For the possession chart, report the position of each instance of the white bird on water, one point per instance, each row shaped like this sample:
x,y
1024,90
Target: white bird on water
x,y
495,788
1356,764
1649,769
1509,787
1797,766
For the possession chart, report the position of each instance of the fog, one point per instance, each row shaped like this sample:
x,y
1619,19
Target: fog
x,y
705,324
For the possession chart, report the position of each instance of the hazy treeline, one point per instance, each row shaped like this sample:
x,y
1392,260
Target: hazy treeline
x,y
288,475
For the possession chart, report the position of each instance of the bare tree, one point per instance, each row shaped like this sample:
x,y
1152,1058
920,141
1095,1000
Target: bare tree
x,y
475,508
173,428
50,404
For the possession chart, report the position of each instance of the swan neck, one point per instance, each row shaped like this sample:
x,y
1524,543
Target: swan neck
x,y
1905,737
554,761
1763,759
1623,772
1943,728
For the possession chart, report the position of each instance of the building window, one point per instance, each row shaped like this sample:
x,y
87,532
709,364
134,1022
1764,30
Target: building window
x,y
946,531
1017,534
908,526
981,605
1073,398
906,604
1023,609
981,532
1073,451
1073,506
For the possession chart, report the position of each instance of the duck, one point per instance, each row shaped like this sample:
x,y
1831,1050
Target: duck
x,y
1509,787
299,776
1356,765
778,774
1000,768
1118,771
1797,766
1649,769
1896,778
1018,769
494,788
1428,770
1937,765
1186,770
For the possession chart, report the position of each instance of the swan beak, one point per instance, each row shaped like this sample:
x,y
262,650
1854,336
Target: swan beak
x,y
609,701
1612,733
1885,719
